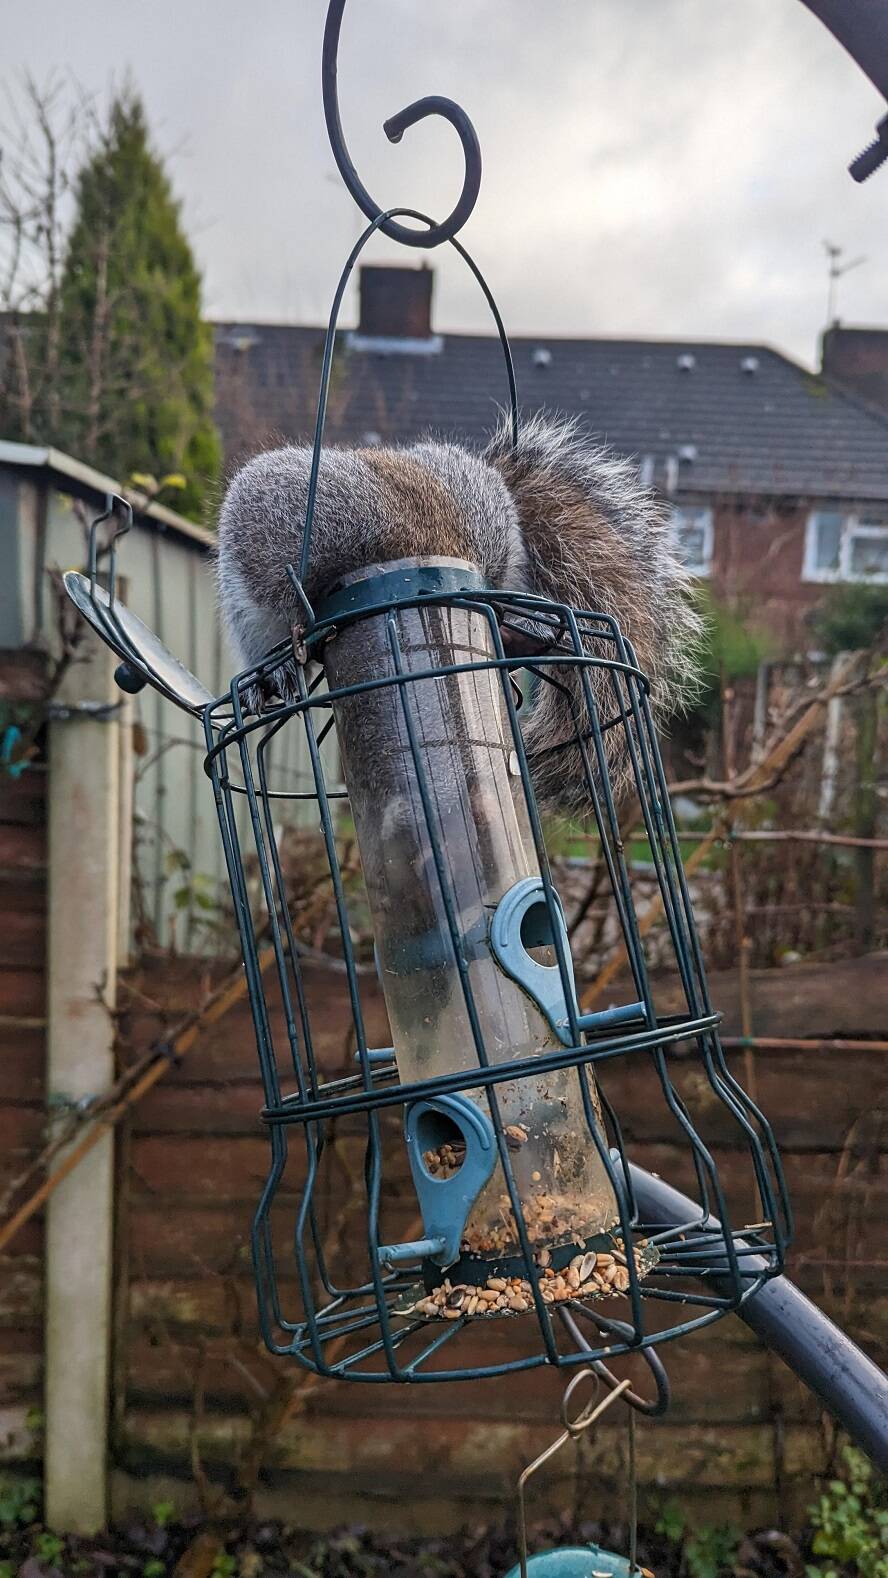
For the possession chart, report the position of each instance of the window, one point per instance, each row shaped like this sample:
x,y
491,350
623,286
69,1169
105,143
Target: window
x,y
845,548
693,532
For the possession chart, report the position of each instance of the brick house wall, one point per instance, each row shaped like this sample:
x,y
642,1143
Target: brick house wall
x,y
858,359
758,561
758,557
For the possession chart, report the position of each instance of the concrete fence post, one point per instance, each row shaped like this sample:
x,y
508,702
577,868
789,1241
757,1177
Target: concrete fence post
x,y
85,843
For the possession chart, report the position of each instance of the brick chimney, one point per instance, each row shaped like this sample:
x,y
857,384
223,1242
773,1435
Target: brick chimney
x,y
396,303
857,359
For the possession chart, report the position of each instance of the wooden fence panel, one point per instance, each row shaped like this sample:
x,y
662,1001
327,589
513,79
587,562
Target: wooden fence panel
x,y
22,1087
740,1423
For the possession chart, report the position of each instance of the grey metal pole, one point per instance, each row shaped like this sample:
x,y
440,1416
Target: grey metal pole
x,y
849,1384
862,27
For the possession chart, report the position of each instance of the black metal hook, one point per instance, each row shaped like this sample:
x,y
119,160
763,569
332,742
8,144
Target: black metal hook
x,y
115,506
394,129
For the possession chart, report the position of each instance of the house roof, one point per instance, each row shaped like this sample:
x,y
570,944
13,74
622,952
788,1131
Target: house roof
x,y
747,419
79,478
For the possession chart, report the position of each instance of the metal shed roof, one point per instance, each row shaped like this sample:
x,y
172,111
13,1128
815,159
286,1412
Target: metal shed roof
x,y
82,478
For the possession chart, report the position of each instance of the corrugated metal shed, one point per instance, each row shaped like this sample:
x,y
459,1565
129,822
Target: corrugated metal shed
x,y
47,500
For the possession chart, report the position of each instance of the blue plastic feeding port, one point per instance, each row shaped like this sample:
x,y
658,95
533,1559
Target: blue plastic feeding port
x,y
446,1202
576,1561
523,920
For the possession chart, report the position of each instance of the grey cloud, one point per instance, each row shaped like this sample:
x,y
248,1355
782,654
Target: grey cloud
x,y
651,166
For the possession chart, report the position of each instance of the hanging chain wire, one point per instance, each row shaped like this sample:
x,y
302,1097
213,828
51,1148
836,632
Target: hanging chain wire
x,y
573,1429
378,224
633,1498
431,234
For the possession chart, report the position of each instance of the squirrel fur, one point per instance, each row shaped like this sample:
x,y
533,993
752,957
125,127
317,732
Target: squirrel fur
x,y
561,517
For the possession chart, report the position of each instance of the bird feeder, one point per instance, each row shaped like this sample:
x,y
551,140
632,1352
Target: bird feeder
x,y
459,1201
527,1244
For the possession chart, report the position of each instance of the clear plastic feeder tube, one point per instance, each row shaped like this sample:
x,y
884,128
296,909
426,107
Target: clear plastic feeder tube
x,y
477,812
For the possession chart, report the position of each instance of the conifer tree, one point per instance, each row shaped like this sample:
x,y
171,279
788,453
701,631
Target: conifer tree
x,y
136,381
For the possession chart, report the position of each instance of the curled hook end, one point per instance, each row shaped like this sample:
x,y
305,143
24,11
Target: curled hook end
x,y
395,128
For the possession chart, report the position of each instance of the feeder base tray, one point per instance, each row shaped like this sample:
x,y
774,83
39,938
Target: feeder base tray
x,y
594,1273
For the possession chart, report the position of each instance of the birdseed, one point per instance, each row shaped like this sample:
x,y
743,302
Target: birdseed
x,y
589,1275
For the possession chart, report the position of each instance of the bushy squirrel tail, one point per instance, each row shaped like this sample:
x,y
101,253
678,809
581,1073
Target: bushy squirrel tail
x,y
560,517
595,538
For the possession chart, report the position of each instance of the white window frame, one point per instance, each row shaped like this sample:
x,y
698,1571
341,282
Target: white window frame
x,y
852,527
699,516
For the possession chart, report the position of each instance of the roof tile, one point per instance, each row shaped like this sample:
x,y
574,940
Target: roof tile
x,y
776,430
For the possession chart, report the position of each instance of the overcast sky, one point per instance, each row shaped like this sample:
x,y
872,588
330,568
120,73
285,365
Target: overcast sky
x,y
651,167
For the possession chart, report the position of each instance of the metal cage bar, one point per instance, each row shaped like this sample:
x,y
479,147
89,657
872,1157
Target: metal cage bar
x,y
704,1276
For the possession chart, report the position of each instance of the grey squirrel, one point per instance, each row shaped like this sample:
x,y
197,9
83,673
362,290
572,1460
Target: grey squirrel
x,y
560,516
